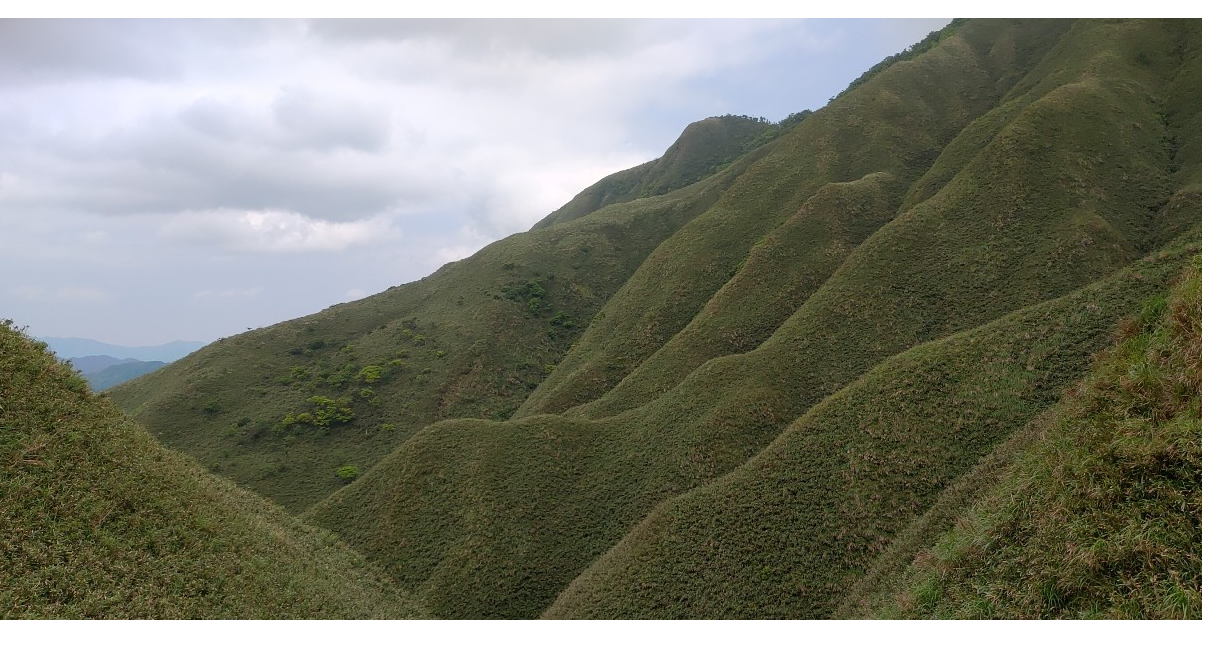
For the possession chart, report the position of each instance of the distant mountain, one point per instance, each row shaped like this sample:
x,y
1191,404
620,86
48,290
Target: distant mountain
x,y
80,347
94,363
120,373
103,372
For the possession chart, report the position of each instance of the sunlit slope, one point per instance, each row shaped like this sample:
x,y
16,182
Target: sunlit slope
x,y
886,133
1100,514
703,149
471,340
97,520
995,238
789,532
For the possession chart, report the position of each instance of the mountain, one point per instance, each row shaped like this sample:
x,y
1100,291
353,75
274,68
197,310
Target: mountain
x,y
120,373
768,392
103,372
97,520
704,148
81,347
92,364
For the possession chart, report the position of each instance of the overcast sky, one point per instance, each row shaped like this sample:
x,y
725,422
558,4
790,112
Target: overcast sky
x,y
165,180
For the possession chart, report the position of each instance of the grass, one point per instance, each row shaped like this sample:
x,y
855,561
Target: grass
x,y
889,130
748,395
788,533
987,243
1100,515
97,520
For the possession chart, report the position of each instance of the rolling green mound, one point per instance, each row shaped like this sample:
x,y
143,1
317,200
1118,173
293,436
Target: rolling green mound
x,y
97,520
493,519
1099,515
787,533
758,394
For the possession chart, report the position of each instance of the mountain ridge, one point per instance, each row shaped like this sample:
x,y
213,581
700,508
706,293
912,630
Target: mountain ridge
x,y
732,398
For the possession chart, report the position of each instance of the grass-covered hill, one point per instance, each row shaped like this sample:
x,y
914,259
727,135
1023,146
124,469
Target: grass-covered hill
x,y
744,397
788,533
98,520
1098,512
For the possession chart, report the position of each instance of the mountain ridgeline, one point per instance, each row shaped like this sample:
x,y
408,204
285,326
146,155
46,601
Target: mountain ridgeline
x,y
775,372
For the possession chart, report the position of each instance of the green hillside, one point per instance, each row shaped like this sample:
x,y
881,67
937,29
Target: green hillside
x,y
787,533
886,133
1100,515
936,269
758,394
97,520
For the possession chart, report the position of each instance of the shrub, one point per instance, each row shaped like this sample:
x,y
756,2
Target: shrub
x,y
347,472
328,411
370,374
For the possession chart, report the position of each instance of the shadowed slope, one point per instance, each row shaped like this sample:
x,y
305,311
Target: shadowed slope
x,y
99,521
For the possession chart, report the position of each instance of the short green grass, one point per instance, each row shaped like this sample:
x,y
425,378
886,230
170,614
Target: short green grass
x,y
97,520
1100,515
789,532
729,399
993,239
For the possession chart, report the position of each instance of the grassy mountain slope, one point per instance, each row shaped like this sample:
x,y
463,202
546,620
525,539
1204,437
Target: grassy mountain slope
x,y
704,148
97,520
471,340
1110,204
947,241
787,533
894,124
1100,514
996,237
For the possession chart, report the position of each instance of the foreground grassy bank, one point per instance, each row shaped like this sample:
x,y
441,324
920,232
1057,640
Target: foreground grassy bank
x,y
97,520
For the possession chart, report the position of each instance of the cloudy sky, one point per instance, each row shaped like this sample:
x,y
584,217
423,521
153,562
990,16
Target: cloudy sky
x,y
165,180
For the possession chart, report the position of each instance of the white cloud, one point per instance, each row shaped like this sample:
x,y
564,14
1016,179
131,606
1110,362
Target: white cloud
x,y
175,162
275,231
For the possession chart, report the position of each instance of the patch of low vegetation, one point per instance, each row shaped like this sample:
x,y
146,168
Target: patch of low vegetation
x,y
1100,516
97,520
